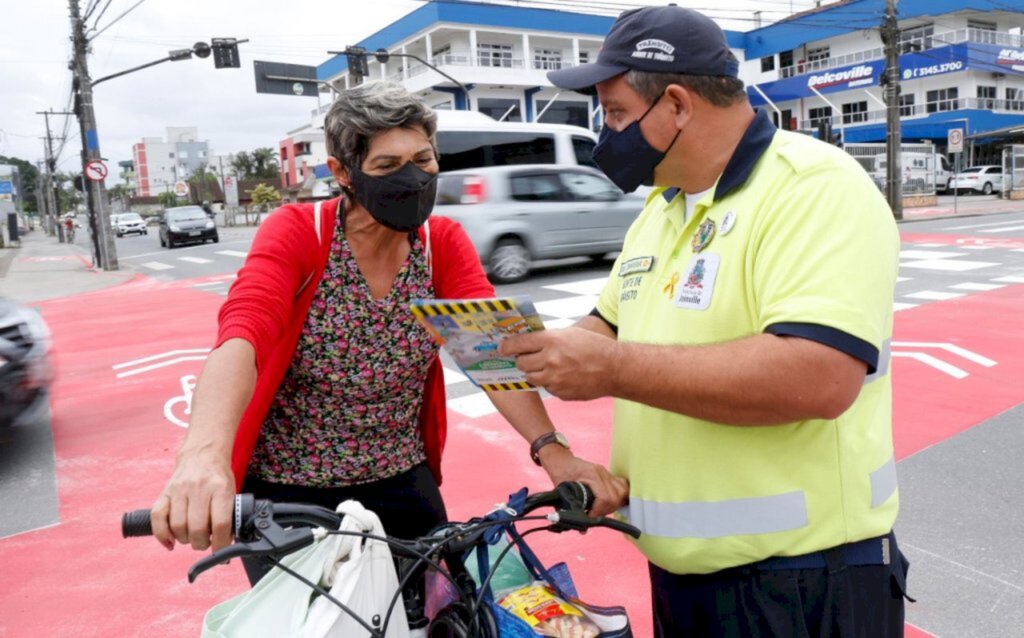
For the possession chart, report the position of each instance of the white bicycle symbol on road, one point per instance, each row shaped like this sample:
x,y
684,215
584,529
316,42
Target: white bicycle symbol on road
x,y
181,405
177,409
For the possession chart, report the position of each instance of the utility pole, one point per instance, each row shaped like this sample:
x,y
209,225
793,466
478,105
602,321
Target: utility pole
x,y
51,164
99,220
893,178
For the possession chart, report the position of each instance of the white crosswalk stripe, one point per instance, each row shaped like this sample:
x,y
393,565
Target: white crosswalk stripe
x,y
934,295
196,260
975,286
157,265
232,253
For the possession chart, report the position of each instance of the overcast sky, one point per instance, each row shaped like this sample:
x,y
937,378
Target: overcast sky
x,y
222,103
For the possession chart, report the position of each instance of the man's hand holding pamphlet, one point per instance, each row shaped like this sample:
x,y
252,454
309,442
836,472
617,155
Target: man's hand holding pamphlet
x,y
471,329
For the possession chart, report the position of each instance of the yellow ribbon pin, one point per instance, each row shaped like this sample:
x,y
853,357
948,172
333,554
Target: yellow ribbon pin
x,y
670,287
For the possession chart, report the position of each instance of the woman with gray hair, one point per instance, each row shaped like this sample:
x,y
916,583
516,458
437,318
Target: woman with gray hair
x,y
321,386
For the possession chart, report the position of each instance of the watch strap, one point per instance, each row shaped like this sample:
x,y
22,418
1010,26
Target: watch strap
x,y
545,439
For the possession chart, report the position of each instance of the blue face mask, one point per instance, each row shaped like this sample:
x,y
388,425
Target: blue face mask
x,y
626,157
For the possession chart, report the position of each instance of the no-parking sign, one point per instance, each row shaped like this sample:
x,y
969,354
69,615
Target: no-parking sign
x,y
955,140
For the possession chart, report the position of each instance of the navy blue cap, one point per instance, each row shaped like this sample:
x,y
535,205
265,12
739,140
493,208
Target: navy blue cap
x,y
657,40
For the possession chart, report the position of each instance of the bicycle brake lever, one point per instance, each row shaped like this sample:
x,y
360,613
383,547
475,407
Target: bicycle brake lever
x,y
276,541
564,520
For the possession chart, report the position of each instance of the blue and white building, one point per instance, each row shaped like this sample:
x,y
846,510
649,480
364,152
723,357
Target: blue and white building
x,y
962,66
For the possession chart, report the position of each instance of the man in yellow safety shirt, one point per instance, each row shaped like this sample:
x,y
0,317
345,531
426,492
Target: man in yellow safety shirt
x,y
744,332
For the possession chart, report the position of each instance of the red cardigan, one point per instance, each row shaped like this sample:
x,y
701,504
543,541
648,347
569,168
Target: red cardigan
x,y
269,302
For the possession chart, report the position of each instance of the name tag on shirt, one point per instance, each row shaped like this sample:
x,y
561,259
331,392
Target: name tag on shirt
x,y
635,265
698,283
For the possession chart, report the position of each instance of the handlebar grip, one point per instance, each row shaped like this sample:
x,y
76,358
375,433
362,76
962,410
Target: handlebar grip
x,y
625,528
136,523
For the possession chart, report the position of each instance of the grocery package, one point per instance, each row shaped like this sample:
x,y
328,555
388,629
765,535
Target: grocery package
x,y
547,614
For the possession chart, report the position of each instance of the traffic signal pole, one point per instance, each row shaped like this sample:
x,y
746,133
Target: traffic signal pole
x,y
99,219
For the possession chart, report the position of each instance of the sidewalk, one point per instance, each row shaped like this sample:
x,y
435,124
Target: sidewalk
x,y
966,206
42,268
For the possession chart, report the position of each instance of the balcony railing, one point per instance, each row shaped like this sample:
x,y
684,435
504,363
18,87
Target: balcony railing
x,y
922,110
482,61
980,36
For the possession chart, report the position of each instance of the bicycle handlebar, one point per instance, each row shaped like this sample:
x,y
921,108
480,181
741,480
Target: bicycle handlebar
x,y
259,524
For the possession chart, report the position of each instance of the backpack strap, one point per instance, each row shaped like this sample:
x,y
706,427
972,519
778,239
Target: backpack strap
x,y
319,242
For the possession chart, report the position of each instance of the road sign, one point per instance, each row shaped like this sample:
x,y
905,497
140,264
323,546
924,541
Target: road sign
x,y
955,140
180,189
231,191
96,171
278,78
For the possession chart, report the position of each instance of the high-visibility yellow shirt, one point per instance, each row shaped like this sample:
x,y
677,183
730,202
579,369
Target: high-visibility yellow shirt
x,y
795,239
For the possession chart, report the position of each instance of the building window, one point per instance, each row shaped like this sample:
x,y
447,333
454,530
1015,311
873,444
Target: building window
x,y
785,59
584,57
943,100
917,38
170,155
182,154
987,97
767,63
819,114
547,59
817,58
564,112
495,55
1014,99
855,112
980,31
907,105
499,108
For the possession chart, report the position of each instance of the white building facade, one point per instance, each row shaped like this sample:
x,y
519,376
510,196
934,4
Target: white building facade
x,y
159,163
962,66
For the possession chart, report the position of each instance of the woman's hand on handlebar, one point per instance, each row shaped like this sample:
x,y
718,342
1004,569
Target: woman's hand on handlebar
x,y
196,506
610,492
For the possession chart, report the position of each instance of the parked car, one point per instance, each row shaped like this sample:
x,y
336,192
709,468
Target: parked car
x,y
130,223
980,179
517,214
25,367
468,139
183,224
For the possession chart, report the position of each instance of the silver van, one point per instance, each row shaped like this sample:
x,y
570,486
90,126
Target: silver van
x,y
470,139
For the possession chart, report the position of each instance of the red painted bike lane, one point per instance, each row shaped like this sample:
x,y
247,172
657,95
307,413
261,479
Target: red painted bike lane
x,y
124,353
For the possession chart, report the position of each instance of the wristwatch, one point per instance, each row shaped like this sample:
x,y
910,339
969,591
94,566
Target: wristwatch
x,y
545,439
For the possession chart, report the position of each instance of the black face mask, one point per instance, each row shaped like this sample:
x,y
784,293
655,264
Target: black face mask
x,y
401,200
626,157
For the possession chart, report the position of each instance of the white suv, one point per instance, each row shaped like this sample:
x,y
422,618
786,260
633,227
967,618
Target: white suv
x,y
130,223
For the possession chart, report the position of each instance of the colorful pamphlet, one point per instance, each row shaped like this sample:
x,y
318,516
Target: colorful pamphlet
x,y
470,331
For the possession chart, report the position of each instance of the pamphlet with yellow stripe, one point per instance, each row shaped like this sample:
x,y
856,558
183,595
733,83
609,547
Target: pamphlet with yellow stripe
x,y
471,329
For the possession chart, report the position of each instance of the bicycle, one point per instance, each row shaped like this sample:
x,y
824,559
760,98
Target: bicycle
x,y
273,530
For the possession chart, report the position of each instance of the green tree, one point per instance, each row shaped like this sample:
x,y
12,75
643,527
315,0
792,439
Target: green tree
x,y
167,200
263,195
264,162
30,181
200,183
243,165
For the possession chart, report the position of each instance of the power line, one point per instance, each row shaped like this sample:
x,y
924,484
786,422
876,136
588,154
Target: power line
x,y
100,16
115,20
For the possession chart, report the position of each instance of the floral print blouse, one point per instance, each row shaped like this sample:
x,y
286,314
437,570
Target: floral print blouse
x,y
347,411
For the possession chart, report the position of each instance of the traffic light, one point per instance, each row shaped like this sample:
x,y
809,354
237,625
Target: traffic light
x,y
357,65
225,53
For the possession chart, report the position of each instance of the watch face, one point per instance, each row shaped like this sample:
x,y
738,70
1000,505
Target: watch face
x,y
561,440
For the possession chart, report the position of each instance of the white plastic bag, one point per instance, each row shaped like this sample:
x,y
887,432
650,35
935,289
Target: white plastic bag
x,y
358,573
361,575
